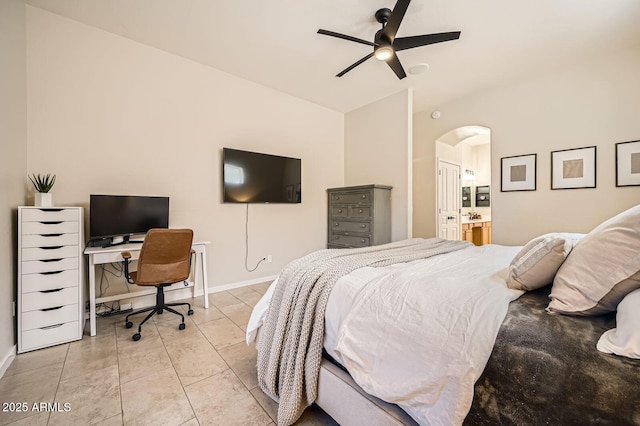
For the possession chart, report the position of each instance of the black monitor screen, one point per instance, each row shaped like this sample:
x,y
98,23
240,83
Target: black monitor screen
x,y
124,215
252,177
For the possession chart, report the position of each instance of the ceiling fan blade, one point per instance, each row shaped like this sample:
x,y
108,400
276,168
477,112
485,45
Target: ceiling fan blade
x,y
391,28
396,66
345,37
350,67
404,43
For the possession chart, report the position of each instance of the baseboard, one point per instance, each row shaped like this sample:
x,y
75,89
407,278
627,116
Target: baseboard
x,y
239,284
7,359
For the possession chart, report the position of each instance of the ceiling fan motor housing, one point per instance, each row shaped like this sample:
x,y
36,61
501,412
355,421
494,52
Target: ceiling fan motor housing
x,y
382,15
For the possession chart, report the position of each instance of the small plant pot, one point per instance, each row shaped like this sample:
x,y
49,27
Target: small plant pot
x,y
43,199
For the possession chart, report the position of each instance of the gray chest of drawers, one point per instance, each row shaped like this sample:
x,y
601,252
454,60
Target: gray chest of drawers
x,y
359,216
50,276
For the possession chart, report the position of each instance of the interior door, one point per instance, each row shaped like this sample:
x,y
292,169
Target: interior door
x,y
449,194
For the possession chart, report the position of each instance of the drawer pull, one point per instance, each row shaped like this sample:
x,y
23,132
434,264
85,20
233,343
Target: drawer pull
x,y
49,327
364,196
51,309
51,248
51,291
50,260
360,211
51,222
50,210
339,210
336,224
363,226
363,241
50,273
336,237
50,235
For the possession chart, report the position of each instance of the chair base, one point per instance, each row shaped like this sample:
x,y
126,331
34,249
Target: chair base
x,y
158,309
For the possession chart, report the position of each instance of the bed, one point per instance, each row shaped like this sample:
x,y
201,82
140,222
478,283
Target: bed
x,y
440,336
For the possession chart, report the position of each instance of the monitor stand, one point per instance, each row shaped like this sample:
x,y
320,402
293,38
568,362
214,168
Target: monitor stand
x,y
109,241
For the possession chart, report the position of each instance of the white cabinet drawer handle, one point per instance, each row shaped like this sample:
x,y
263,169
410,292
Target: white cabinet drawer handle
x,y
50,210
50,235
51,291
51,248
50,222
50,273
49,327
51,309
50,260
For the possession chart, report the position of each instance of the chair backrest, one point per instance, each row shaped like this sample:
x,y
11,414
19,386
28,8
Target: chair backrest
x,y
165,256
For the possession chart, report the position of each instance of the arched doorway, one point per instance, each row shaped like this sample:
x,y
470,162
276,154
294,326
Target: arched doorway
x,y
465,152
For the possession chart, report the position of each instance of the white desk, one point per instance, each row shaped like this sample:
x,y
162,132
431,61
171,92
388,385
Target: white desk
x,y
101,255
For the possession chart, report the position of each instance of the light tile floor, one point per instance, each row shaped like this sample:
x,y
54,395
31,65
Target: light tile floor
x,y
203,375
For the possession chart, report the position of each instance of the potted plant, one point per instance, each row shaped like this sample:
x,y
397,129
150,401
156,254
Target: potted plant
x,y
43,184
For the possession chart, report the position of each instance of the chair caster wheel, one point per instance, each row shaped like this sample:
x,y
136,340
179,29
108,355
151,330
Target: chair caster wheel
x,y
129,324
181,326
136,337
190,312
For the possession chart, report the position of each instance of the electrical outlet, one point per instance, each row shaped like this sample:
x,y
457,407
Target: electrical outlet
x,y
268,258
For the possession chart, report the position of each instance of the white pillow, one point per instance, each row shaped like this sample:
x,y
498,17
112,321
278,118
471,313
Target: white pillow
x,y
539,260
624,340
601,269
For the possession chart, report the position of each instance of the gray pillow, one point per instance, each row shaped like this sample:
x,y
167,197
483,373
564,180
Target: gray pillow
x,y
539,260
601,269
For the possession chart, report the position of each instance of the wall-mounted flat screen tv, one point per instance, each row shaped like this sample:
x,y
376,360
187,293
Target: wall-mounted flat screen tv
x,y
115,218
252,177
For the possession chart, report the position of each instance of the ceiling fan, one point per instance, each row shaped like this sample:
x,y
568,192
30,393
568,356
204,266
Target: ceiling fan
x,y
385,44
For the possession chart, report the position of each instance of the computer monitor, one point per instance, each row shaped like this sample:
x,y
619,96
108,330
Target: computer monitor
x,y
113,219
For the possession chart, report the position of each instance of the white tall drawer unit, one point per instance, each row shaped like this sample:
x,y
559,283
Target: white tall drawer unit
x,y
50,276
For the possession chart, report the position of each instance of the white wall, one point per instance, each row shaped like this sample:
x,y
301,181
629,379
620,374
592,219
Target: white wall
x,y
112,116
589,104
13,159
378,150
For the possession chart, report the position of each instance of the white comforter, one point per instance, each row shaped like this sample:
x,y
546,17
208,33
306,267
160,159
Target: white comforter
x,y
418,334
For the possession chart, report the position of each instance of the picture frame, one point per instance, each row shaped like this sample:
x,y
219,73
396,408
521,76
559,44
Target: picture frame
x,y
518,173
573,168
628,163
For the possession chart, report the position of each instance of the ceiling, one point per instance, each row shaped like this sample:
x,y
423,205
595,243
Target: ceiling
x,y
275,43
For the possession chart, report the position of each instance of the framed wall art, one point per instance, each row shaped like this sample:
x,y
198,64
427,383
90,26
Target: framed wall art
x,y
573,168
518,173
628,163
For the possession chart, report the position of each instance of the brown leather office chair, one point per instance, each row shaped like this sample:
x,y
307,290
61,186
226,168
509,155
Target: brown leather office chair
x,y
165,259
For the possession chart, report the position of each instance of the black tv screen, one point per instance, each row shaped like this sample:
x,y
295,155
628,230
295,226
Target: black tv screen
x,y
252,177
125,215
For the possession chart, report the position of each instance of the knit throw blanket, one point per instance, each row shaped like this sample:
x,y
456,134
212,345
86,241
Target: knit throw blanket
x,y
291,339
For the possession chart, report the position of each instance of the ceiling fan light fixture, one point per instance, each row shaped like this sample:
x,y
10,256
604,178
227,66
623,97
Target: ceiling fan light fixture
x,y
383,52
